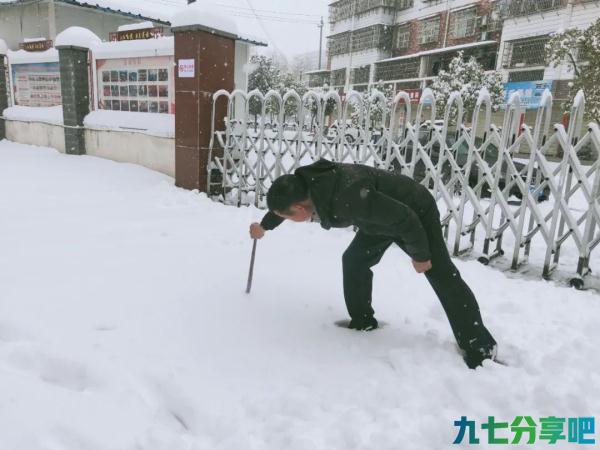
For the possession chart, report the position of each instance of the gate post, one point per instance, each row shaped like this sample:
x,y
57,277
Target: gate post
x,y
3,92
205,60
73,47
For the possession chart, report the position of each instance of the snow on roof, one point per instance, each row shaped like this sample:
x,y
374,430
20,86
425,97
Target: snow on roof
x,y
309,72
208,16
35,39
141,8
52,114
24,57
162,125
136,26
76,37
3,47
439,50
165,12
163,46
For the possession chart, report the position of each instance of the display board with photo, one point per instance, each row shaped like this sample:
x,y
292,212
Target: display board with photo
x,y
36,84
137,84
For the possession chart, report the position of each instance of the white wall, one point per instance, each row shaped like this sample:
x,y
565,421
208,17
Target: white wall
x,y
358,58
153,152
36,133
156,153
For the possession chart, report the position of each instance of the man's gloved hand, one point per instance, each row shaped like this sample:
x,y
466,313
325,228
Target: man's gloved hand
x,y
366,323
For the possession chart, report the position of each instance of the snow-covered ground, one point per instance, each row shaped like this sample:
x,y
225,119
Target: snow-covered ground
x,y
124,325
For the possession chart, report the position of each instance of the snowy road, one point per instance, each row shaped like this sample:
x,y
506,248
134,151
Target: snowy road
x,y
124,325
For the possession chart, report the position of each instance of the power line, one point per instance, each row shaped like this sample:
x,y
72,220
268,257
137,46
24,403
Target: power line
x,y
276,19
264,13
269,11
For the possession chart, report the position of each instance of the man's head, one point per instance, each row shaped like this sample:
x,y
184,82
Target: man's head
x,y
288,198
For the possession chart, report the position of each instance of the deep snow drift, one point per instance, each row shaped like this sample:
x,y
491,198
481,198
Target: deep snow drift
x,y
124,325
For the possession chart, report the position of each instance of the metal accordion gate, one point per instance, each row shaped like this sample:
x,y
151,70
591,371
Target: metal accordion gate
x,y
500,193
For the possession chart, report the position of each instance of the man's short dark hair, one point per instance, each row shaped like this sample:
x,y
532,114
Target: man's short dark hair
x,y
285,191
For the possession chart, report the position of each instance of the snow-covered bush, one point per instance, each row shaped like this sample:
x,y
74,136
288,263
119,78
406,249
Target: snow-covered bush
x,y
467,77
580,50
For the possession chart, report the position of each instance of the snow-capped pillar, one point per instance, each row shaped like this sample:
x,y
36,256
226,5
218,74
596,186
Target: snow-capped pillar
x,y
205,59
3,93
73,47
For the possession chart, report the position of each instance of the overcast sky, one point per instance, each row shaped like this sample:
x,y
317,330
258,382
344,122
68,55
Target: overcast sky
x,y
285,23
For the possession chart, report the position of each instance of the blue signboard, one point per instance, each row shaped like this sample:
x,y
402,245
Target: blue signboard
x,y
530,91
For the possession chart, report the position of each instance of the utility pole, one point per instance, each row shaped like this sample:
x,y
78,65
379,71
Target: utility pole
x,y
321,25
447,23
51,21
349,70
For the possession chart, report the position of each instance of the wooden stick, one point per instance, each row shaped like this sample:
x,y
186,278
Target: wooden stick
x,y
251,271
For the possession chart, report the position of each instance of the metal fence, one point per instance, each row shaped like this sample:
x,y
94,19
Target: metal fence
x,y
483,184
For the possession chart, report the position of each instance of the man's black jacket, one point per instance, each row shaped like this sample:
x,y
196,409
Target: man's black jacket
x,y
376,201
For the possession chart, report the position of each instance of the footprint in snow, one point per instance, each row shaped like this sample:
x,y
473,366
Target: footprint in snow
x,y
58,371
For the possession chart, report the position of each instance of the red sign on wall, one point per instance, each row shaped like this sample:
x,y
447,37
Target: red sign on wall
x,y
414,94
36,46
132,35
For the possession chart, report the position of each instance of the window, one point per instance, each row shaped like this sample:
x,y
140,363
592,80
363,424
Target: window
x,y
429,30
398,69
525,53
528,75
465,23
361,74
339,44
402,41
338,77
404,4
144,86
525,7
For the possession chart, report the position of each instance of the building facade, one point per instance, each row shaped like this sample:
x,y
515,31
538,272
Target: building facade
x,y
405,43
26,19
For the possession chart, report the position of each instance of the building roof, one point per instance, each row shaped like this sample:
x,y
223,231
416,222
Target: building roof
x,y
140,10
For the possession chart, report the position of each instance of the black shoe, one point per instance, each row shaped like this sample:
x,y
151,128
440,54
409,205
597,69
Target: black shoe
x,y
363,323
474,357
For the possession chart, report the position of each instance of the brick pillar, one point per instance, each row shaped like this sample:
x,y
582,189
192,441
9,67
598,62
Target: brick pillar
x,y
3,93
75,91
213,54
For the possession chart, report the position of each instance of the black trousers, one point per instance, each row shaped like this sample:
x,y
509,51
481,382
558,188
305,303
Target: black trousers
x,y
457,299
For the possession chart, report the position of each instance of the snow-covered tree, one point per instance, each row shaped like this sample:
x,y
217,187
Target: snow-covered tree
x,y
312,105
264,76
580,50
289,82
467,77
376,107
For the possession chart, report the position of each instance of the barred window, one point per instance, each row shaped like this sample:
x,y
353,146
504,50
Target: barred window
x,y
339,44
525,7
402,41
338,77
318,79
527,75
398,69
361,74
465,23
404,4
526,52
429,30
